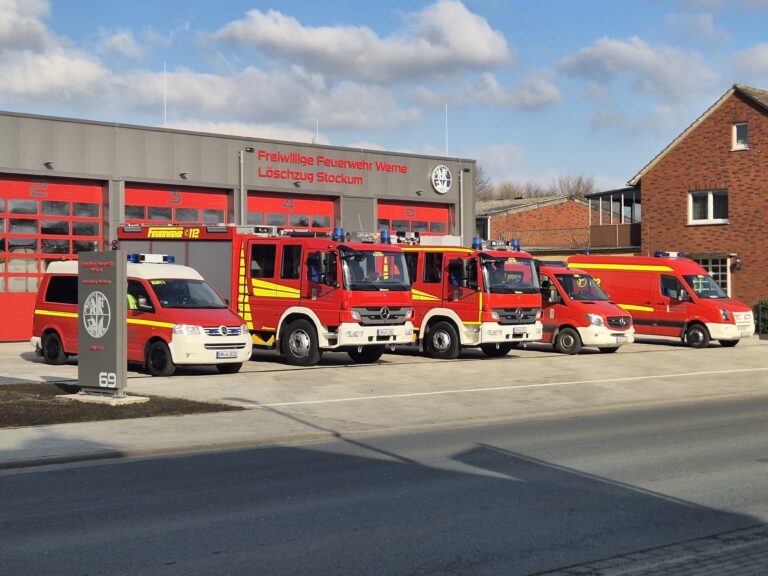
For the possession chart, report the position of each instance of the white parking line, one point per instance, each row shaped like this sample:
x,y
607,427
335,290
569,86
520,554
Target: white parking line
x,y
521,387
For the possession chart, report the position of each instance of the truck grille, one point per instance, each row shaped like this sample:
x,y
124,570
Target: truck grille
x,y
516,315
379,315
744,320
222,330
619,322
235,346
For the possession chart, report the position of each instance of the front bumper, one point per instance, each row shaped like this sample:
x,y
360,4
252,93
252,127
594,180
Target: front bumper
x,y
351,334
495,333
602,336
35,342
720,331
202,349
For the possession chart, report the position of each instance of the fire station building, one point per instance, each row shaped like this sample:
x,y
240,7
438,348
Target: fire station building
x,y
66,184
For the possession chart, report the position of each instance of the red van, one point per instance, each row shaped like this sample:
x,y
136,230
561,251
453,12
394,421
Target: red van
x,y
174,318
669,295
577,313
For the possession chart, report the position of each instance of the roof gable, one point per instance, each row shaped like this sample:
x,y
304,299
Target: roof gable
x,y
759,97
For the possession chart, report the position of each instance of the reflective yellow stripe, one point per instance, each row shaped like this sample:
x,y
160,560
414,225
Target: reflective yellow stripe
x,y
640,308
272,290
130,320
54,313
150,323
419,295
436,249
629,267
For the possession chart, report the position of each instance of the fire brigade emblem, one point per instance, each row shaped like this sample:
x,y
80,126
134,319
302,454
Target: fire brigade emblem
x,y
96,314
441,179
384,312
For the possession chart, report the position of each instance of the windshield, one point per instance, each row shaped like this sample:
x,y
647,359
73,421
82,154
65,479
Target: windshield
x,y
580,287
704,287
510,275
375,270
183,293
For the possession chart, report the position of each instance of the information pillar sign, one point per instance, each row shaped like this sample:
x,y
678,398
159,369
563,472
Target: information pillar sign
x,y
101,328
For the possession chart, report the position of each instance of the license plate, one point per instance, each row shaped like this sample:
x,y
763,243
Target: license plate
x,y
621,339
518,330
746,332
385,332
226,354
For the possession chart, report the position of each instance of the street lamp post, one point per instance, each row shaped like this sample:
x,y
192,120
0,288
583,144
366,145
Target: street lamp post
x,y
243,200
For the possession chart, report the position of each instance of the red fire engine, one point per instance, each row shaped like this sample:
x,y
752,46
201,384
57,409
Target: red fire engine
x,y
465,297
299,294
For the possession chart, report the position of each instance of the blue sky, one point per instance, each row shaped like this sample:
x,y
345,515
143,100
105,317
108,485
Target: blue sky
x,y
533,89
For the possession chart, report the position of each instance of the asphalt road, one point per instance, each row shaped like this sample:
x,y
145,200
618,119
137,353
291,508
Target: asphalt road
x,y
512,498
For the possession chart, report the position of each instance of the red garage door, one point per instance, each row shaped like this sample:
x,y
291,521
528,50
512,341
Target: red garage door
x,y
163,205
315,213
414,217
40,220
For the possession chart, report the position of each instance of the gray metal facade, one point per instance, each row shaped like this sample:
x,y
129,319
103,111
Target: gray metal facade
x,y
116,154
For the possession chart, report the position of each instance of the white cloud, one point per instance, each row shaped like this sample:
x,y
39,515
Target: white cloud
x,y
660,71
21,24
500,162
444,38
696,26
531,93
121,43
58,73
268,131
664,122
753,60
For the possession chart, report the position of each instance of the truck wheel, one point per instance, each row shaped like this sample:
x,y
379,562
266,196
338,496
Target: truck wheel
x,y
608,349
568,341
728,343
696,336
442,341
366,354
53,349
299,344
159,359
232,368
496,350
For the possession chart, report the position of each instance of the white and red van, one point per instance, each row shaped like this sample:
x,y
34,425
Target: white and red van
x,y
669,295
576,312
174,318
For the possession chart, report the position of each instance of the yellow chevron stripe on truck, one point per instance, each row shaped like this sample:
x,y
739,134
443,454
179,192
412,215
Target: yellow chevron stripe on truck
x,y
424,296
272,290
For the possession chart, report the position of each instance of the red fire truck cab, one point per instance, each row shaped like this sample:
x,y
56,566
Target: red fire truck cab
x,y
464,297
669,295
576,312
299,294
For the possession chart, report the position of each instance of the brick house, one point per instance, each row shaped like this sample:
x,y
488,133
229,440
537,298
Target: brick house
x,y
706,194
548,223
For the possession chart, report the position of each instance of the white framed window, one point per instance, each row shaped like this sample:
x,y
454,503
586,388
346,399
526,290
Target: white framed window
x,y
708,207
740,136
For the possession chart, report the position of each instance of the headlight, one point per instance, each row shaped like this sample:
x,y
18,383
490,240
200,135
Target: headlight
x,y
495,315
187,329
595,319
538,313
355,315
724,314
409,314
244,329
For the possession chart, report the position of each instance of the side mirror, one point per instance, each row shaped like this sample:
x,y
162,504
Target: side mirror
x,y
143,305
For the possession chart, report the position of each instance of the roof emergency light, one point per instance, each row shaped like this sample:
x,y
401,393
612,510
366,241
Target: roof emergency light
x,y
338,235
660,254
515,244
385,237
477,243
151,258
